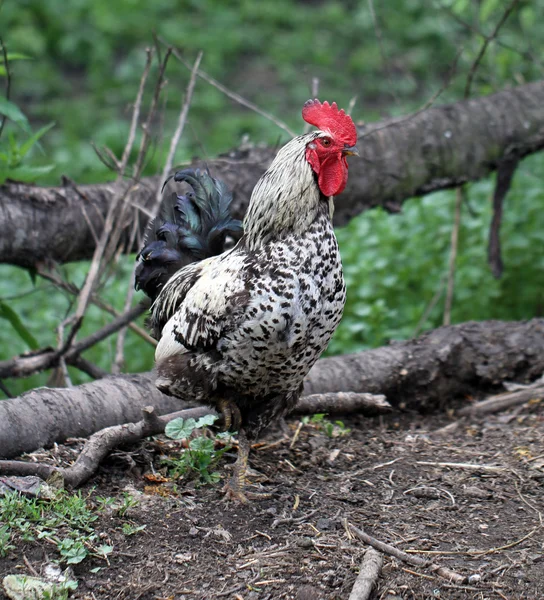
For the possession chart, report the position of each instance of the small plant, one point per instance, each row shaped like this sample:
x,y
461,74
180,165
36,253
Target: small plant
x,y
129,529
65,520
5,539
129,501
200,457
73,551
329,428
13,152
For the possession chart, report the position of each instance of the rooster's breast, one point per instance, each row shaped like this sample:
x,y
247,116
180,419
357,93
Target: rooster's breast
x,y
297,296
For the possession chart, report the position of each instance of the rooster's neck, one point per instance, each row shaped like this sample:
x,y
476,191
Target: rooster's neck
x,y
287,198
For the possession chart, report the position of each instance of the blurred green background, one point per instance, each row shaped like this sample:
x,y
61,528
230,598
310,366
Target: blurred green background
x,y
77,64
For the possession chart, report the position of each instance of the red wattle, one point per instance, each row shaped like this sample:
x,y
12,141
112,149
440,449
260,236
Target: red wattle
x,y
333,176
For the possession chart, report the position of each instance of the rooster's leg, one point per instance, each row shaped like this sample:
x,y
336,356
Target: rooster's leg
x,y
232,419
234,487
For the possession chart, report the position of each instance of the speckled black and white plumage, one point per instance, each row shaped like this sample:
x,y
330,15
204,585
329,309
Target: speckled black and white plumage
x,y
248,325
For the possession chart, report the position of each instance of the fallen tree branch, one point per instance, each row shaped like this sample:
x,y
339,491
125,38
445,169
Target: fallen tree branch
x,y
368,575
493,404
33,362
437,370
102,442
395,165
503,401
406,558
343,402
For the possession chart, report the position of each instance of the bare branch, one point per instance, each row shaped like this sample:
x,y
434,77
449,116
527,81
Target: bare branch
x,y
443,572
368,575
234,96
485,44
505,174
343,402
182,119
136,114
460,192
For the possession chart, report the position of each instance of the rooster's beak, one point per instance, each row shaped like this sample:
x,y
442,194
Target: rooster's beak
x,y
350,151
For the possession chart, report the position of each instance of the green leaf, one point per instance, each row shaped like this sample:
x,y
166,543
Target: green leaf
x,y
18,56
205,421
6,312
104,550
26,146
14,113
24,173
180,429
202,444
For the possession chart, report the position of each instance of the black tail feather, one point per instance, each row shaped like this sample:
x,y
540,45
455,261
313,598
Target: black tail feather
x,y
187,229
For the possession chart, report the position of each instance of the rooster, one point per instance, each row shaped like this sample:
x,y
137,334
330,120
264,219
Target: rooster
x,y
188,228
241,330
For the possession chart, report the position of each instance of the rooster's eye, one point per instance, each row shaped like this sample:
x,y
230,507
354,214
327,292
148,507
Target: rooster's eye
x,y
325,142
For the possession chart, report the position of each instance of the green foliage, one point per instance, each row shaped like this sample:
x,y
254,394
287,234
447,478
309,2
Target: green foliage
x,y
398,263
66,521
84,78
129,529
7,313
13,153
268,51
200,456
329,428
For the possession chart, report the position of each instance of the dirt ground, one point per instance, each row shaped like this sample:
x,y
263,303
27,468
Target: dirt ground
x,y
384,476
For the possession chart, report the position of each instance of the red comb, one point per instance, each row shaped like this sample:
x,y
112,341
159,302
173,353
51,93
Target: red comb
x,y
327,117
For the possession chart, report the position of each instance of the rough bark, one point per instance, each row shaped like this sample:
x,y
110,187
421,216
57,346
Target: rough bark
x,y
438,369
431,150
440,366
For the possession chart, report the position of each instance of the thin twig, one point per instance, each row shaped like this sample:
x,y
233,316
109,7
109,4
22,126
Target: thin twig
x,y
343,402
478,552
182,119
484,46
460,191
72,289
315,94
351,105
234,96
107,330
429,308
468,466
119,360
427,105
146,127
5,389
526,54
109,237
405,557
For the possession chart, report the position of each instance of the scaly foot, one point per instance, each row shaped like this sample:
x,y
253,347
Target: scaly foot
x,y
234,487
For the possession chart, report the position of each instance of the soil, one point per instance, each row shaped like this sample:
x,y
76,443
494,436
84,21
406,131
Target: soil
x,y
383,476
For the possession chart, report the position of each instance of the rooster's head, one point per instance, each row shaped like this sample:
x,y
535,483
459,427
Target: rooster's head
x,y
336,140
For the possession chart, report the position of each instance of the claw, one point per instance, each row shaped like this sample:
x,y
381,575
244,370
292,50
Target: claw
x,y
225,407
232,419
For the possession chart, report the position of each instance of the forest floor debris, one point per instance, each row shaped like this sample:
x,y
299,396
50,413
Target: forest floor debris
x,y
387,476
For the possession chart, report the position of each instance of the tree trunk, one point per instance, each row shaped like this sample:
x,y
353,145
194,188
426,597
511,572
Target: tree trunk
x,y
433,371
431,150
